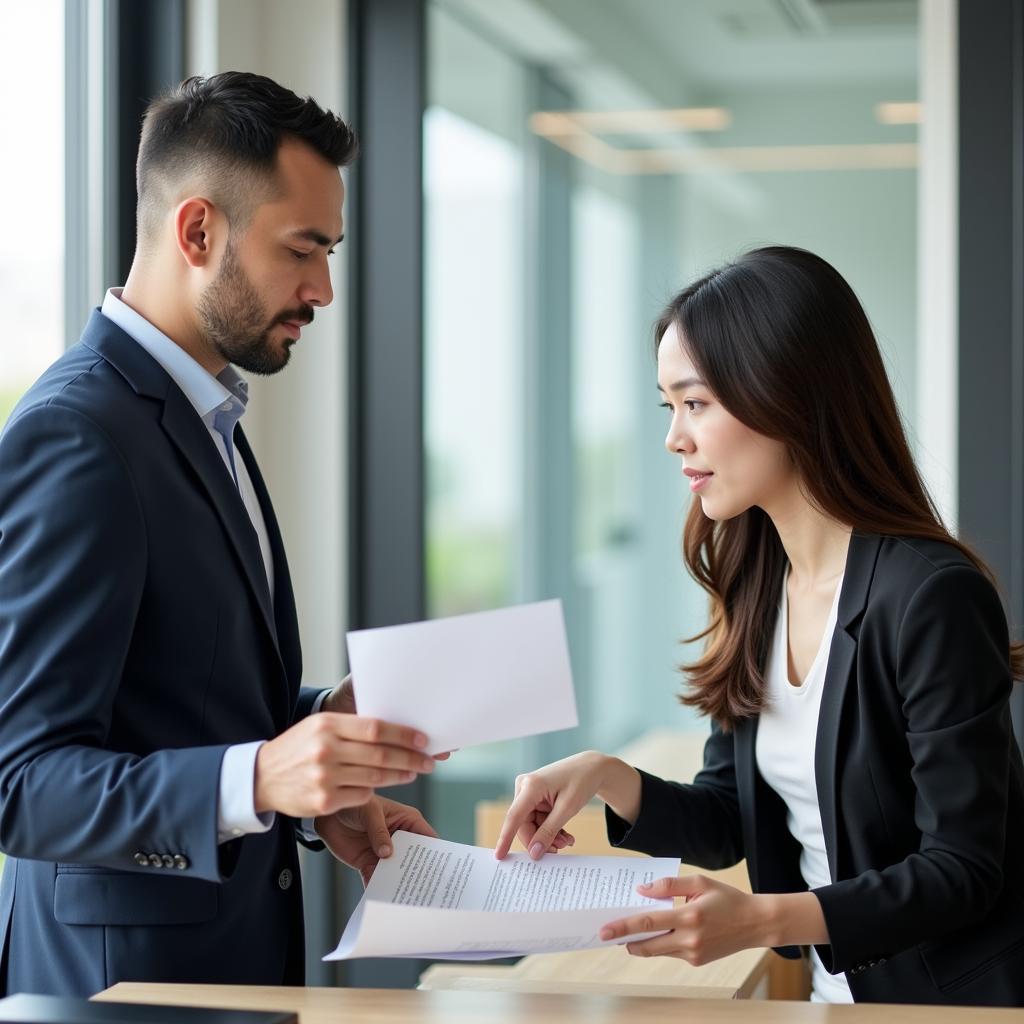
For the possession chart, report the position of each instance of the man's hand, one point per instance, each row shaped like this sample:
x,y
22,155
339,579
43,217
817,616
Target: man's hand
x,y
361,836
328,762
342,699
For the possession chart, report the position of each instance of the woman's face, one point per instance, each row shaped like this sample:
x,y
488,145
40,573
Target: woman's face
x,y
729,466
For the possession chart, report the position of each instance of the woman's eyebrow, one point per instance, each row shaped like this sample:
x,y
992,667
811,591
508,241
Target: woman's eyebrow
x,y
682,385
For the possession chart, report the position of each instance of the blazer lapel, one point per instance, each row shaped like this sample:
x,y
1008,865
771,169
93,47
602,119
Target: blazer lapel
x,y
745,748
285,616
189,434
860,567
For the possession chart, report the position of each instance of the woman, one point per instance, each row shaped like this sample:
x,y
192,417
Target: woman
x,y
857,671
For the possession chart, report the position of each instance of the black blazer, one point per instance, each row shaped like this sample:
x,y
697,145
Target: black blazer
x,y
919,780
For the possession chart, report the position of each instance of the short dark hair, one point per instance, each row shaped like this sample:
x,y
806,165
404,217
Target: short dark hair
x,y
224,133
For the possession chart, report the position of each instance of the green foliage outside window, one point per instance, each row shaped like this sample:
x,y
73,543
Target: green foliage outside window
x,y
467,570
9,399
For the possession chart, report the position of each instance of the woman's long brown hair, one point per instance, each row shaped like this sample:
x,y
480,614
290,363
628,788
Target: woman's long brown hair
x,y
784,344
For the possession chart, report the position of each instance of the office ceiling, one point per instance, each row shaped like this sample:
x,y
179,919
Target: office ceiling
x,y
685,51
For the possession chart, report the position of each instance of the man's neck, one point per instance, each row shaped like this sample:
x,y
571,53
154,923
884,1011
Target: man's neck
x,y
153,305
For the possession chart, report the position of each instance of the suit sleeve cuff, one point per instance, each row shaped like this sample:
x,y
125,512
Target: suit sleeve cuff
x,y
649,825
306,829
236,811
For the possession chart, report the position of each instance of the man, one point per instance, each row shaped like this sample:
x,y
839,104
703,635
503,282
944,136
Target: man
x,y
156,752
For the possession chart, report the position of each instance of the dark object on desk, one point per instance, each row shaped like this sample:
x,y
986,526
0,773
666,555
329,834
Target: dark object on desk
x,y
28,1009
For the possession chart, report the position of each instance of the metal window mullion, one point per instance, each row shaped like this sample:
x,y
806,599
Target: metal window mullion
x,y
387,53
991,315
86,200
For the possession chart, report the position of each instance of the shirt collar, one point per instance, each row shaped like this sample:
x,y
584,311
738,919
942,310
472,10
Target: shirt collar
x,y
209,395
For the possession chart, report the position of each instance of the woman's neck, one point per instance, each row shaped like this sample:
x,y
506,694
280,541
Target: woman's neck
x,y
815,544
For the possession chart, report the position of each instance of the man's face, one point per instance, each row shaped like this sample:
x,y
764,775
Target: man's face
x,y
271,279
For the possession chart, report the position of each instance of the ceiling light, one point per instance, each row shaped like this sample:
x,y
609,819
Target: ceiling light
x,y
631,122
898,113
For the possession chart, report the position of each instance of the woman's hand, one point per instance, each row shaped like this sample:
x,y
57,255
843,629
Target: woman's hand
x,y
714,921
547,798
717,919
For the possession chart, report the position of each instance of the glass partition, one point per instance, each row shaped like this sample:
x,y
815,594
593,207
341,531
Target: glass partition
x,y
32,178
584,159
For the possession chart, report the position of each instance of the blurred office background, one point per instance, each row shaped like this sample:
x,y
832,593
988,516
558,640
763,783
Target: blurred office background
x,y
538,177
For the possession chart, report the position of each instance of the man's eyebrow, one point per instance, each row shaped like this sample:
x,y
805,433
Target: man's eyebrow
x,y
682,385
316,237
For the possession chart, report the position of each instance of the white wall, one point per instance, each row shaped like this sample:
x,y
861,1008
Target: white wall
x,y
937,406
297,420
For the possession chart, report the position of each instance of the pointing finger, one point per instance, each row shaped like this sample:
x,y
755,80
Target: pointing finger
x,y
515,818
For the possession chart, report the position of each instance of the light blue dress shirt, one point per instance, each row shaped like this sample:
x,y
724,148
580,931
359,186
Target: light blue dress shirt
x,y
220,403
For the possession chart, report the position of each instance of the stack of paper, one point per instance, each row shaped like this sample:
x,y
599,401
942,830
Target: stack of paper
x,y
448,901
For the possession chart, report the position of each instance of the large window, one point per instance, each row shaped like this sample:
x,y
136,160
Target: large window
x,y
582,162
32,182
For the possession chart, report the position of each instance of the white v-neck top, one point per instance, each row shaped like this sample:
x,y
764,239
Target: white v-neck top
x,y
786,734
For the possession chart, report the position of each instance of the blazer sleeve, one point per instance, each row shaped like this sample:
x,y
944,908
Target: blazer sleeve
x,y
73,553
953,677
698,822
308,696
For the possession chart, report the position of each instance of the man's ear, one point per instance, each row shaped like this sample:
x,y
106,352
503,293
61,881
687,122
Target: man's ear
x,y
196,222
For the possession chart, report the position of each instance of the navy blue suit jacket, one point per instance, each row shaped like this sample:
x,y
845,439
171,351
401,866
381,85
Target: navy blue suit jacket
x,y
138,641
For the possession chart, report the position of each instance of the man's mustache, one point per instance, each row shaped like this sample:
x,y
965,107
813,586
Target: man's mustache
x,y
301,316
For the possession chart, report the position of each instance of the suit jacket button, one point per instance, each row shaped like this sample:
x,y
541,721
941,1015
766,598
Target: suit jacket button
x,y
168,860
142,860
180,862
284,880
156,860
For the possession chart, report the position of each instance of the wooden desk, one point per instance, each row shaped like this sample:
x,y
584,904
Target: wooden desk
x,y
393,1006
611,971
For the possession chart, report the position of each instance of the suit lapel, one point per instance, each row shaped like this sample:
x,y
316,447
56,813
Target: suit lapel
x,y
190,436
285,616
860,567
745,747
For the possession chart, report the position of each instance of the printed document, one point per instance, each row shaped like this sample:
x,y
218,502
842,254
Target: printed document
x,y
468,679
446,901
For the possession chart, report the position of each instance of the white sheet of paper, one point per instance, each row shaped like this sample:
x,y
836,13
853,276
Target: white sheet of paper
x,y
449,901
468,679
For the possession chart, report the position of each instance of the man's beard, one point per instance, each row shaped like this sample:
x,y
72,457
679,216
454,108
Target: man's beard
x,y
235,323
